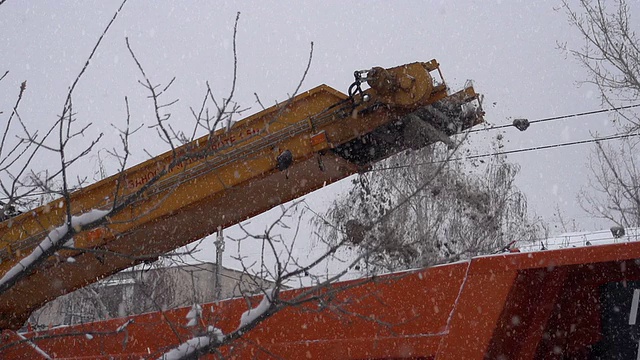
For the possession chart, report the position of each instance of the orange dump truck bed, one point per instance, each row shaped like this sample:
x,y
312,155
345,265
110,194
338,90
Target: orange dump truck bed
x,y
578,303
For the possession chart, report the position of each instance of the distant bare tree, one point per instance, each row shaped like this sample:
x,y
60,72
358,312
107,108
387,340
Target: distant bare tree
x,y
611,55
614,189
446,214
611,52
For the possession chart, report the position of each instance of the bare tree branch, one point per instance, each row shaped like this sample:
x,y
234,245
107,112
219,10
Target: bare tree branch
x,y
611,55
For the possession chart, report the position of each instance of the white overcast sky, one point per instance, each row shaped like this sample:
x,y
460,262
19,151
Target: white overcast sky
x,y
508,48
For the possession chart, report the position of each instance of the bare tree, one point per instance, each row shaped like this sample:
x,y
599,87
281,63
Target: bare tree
x,y
611,55
614,189
24,186
446,214
280,264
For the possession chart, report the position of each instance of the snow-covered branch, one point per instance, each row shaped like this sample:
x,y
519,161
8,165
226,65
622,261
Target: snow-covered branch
x,y
58,237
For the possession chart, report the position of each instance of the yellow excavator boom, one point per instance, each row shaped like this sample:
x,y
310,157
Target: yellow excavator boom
x,y
220,179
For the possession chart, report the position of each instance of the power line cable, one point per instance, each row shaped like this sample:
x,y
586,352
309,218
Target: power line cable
x,y
535,148
560,117
515,151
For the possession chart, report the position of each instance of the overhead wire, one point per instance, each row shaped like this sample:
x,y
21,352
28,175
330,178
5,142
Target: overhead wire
x,y
560,117
533,148
506,152
550,146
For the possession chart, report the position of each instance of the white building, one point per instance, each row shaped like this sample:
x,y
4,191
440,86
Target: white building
x,y
145,289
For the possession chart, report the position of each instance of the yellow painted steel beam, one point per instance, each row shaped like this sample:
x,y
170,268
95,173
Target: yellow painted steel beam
x,y
238,178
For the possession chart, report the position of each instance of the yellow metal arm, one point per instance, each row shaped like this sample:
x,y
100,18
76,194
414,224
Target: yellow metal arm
x,y
274,156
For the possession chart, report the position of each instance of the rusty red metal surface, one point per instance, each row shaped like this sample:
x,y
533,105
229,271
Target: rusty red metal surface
x,y
572,303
